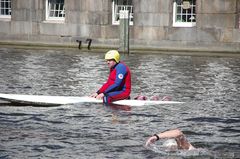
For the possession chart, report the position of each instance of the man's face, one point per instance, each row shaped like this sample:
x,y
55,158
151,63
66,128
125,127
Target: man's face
x,y
111,63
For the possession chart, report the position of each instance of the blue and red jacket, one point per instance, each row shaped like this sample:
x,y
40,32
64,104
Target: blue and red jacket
x,y
118,85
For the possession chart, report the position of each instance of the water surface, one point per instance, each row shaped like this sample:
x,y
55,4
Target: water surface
x,y
210,116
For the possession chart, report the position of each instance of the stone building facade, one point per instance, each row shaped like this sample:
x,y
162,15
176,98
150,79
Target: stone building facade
x,y
155,24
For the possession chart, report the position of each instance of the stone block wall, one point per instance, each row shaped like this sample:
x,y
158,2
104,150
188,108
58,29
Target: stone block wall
x,y
216,14
217,24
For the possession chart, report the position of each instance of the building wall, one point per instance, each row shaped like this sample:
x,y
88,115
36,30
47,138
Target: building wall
x,y
217,24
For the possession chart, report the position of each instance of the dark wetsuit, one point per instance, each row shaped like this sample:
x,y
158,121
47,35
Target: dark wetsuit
x,y
118,85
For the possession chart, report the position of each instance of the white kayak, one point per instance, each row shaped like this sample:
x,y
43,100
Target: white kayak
x,y
62,100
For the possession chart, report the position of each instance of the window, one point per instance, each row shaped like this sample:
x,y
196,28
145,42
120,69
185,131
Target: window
x,y
5,8
118,5
184,13
55,10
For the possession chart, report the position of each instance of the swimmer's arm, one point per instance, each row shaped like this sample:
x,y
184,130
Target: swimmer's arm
x,y
166,134
170,134
176,134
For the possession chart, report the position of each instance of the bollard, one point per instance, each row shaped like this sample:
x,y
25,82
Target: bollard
x,y
124,31
79,43
89,43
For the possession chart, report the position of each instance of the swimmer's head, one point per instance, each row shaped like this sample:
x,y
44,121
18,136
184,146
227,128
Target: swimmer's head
x,y
170,145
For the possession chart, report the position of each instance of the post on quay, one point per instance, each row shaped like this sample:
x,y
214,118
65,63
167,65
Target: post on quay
x,y
124,31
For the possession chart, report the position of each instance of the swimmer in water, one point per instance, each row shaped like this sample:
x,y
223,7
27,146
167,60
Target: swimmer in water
x,y
181,140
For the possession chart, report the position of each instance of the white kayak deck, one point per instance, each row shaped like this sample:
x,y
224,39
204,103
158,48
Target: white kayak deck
x,y
62,100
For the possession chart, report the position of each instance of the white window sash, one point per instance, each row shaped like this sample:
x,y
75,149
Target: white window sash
x,y
180,24
116,13
50,18
5,16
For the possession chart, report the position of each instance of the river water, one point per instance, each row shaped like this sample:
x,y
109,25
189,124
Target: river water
x,y
210,116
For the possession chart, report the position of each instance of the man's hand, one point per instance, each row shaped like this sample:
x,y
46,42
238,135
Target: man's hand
x,y
100,96
94,95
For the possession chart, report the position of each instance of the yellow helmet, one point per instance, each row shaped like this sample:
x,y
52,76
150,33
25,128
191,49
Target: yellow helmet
x,y
112,54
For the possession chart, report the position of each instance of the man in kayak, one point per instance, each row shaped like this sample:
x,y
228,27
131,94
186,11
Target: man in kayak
x,y
118,85
179,143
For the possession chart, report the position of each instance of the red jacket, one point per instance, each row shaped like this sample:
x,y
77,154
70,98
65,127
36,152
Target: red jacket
x,y
119,80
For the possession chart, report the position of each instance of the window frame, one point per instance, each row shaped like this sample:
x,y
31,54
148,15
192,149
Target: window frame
x,y
183,24
5,16
116,13
54,18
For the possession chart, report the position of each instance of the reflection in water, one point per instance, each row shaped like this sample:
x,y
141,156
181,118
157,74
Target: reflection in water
x,y
210,116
